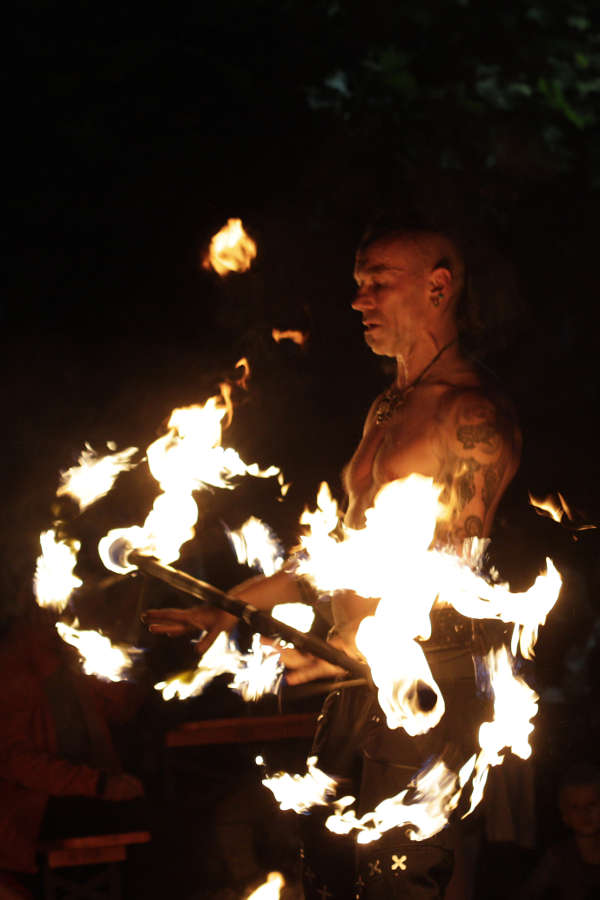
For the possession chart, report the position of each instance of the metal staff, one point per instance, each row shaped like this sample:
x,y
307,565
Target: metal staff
x,y
257,619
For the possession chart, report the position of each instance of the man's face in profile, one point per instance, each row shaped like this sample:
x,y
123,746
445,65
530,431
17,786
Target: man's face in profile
x,y
392,294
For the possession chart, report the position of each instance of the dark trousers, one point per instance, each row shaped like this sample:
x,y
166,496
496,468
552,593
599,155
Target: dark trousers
x,y
372,762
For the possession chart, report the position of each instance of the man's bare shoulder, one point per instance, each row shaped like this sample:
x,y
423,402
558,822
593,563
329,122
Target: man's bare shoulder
x,y
480,422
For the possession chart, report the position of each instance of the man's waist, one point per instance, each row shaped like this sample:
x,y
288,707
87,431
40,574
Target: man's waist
x,y
449,629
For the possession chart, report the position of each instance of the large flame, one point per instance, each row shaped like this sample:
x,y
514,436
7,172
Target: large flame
x,y
231,249
94,475
270,889
54,581
99,656
392,561
189,457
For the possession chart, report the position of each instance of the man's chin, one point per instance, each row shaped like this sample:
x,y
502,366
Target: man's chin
x,y
377,347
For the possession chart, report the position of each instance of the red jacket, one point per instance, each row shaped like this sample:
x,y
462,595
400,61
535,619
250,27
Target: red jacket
x,y
31,769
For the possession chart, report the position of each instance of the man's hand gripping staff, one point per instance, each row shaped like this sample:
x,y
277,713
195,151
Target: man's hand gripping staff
x,y
310,656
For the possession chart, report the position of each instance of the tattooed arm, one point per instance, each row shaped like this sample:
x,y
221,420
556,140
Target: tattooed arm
x,y
480,445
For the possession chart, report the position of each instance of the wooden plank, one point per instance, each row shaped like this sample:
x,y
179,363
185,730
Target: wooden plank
x,y
85,856
96,840
242,730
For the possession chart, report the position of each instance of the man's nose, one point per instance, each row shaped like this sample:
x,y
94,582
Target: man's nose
x,y
363,299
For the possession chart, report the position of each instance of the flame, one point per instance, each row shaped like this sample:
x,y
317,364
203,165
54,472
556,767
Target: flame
x,y
432,797
298,337
301,792
548,507
100,657
515,705
244,365
94,475
391,559
256,545
231,249
54,582
189,457
254,673
270,889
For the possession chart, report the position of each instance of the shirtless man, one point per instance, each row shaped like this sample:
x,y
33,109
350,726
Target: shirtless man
x,y
437,419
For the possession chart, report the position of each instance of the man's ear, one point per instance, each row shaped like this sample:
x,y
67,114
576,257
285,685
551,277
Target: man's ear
x,y
440,285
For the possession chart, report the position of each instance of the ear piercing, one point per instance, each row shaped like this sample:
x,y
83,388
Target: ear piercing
x,y
436,298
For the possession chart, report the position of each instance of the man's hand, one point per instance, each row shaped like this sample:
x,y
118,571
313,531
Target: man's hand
x,y
303,667
176,622
122,787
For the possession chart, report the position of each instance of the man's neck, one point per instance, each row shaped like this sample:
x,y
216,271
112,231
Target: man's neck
x,y
421,362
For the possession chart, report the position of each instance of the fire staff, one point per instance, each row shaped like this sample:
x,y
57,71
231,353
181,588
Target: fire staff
x,y
438,419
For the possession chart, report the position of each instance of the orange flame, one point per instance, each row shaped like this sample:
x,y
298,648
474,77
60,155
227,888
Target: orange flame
x,y
245,366
270,889
548,507
298,337
231,249
391,560
188,458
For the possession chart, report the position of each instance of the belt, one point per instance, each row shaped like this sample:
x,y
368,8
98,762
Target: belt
x,y
449,629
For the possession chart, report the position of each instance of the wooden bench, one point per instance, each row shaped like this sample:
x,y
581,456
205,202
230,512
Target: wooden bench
x,y
103,851
242,730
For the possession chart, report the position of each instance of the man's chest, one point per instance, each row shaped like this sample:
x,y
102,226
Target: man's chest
x,y
408,443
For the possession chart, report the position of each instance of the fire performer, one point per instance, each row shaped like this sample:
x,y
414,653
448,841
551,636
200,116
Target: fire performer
x,y
437,419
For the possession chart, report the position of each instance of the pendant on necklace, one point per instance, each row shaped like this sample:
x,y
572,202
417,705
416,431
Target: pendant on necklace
x,y
391,400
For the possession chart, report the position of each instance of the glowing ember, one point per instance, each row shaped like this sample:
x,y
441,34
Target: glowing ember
x,y
254,673
99,656
54,581
298,337
256,545
270,889
189,457
301,792
94,475
231,249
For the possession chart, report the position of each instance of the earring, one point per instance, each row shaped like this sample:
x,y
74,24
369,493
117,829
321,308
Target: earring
x,y
436,299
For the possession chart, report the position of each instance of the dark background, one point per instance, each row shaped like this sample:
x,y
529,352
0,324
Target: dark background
x,y
135,132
